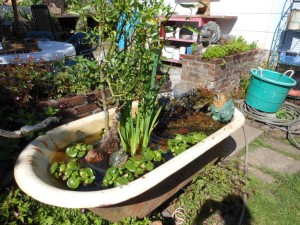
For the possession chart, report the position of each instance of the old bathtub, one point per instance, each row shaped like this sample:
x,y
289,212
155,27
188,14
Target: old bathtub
x,y
138,198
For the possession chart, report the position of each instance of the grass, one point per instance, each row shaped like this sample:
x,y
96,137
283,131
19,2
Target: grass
x,y
258,142
277,203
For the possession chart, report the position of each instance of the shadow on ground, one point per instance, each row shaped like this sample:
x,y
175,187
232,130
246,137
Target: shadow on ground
x,y
226,212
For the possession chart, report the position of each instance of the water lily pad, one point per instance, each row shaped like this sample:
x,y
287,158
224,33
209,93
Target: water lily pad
x,y
73,182
71,152
53,167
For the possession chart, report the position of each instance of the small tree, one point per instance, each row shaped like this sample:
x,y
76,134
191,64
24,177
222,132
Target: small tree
x,y
128,34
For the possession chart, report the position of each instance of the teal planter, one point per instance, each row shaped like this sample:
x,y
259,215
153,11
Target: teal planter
x,y
268,89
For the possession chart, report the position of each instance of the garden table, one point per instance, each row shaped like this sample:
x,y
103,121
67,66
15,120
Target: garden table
x,y
49,51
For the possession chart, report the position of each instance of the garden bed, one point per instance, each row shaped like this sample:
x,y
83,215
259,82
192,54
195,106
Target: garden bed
x,y
220,75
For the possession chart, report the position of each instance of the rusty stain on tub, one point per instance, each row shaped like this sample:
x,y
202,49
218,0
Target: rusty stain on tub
x,y
38,150
31,161
45,143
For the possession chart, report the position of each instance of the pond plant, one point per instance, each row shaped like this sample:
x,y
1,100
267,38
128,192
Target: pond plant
x,y
129,40
128,72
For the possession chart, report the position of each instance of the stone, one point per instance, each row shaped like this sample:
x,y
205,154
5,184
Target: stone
x,y
261,175
182,89
264,157
157,222
282,146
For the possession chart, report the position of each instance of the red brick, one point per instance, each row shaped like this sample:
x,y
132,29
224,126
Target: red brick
x,y
73,101
79,116
194,74
189,57
194,63
85,108
185,62
95,94
68,112
52,103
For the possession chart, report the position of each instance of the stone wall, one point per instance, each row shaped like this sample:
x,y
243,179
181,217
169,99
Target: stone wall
x,y
220,75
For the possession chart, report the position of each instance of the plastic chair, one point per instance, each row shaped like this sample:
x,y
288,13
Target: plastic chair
x,y
42,19
85,44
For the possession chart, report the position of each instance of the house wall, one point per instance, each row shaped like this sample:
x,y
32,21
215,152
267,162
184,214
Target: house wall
x,y
257,19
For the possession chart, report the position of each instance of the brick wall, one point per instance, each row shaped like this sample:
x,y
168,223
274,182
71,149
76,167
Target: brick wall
x,y
79,106
75,107
220,75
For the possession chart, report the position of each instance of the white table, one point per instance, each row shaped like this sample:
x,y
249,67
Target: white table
x,y
50,51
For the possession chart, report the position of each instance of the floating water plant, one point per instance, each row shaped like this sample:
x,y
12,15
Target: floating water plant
x,y
182,142
72,173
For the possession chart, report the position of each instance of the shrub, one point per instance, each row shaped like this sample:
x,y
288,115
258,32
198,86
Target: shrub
x,y
235,45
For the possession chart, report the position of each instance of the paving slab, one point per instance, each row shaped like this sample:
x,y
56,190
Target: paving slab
x,y
264,157
261,175
282,146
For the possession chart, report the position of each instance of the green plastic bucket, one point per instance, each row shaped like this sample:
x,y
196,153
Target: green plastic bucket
x,y
268,89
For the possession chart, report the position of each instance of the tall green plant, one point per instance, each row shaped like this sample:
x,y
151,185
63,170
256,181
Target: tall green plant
x,y
124,69
135,130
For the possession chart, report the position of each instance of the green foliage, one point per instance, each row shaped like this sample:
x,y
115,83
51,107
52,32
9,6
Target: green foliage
x,y
132,169
259,142
72,173
18,208
241,91
194,47
279,201
13,117
125,72
182,142
135,130
214,184
245,82
28,3
216,51
51,111
236,45
22,79
135,167
78,150
281,114
30,82
80,78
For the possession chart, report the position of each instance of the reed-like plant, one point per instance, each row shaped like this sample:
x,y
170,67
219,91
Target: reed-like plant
x,y
135,130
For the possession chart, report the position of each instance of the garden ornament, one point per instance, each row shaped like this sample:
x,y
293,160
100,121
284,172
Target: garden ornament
x,y
118,158
221,109
210,34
